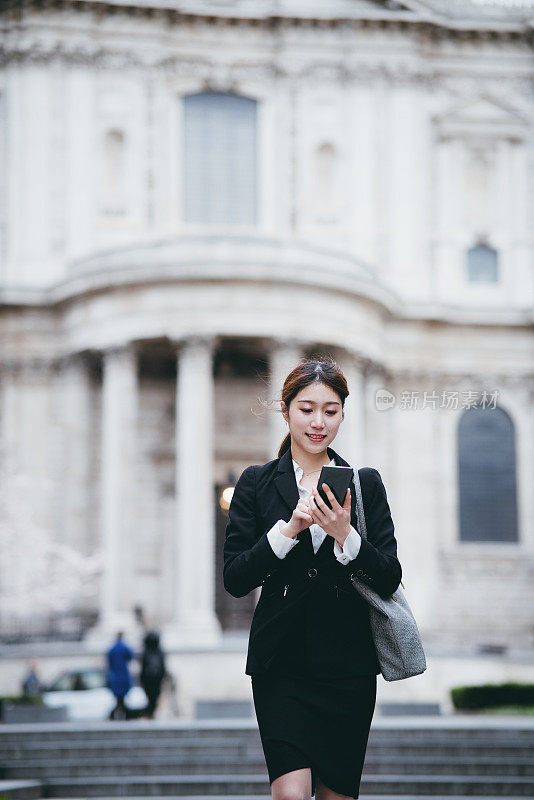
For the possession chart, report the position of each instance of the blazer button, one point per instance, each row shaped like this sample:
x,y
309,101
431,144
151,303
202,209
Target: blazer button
x,y
312,572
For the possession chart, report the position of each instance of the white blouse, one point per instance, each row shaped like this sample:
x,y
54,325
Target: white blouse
x,y
281,544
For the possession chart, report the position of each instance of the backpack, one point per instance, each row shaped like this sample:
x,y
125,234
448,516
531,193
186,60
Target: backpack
x,y
153,668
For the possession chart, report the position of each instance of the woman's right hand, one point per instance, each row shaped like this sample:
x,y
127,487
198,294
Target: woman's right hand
x,y
300,519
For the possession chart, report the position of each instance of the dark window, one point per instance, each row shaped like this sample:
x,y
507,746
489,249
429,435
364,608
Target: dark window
x,y
487,475
234,613
482,264
220,158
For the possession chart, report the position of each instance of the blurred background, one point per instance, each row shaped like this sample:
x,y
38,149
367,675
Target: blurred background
x,y
196,195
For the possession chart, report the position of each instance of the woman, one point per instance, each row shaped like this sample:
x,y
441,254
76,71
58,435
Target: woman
x,y
152,671
311,654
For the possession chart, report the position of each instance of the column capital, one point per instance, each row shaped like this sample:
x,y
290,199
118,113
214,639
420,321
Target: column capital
x,y
277,343
28,368
196,340
77,359
118,349
361,362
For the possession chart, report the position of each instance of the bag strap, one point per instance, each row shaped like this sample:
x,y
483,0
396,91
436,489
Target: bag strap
x,y
360,513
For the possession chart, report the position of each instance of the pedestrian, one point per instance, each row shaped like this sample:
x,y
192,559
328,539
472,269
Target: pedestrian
x,y
119,678
152,671
31,685
311,655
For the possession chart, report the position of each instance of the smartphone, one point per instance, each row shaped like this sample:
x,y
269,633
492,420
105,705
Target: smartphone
x,y
338,479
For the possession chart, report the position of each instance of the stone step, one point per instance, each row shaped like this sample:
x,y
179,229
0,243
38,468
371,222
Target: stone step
x,y
212,738
136,732
251,738
132,766
268,797
165,786
26,790
250,748
252,744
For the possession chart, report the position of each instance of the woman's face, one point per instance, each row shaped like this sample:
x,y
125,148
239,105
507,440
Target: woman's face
x,y
314,417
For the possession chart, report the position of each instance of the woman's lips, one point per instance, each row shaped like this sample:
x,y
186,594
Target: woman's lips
x,y
316,437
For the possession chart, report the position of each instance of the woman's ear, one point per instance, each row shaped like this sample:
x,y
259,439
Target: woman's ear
x,y
283,408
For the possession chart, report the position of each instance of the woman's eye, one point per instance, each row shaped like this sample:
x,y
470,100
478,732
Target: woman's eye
x,y
309,410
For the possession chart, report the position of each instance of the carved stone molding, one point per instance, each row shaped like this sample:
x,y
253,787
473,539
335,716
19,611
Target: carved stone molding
x,y
463,21
31,368
217,76
190,68
447,379
198,341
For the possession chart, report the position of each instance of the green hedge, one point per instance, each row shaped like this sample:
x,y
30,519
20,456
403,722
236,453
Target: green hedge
x,y
22,699
490,695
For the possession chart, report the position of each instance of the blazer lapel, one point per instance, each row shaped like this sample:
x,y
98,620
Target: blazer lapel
x,y
285,480
286,484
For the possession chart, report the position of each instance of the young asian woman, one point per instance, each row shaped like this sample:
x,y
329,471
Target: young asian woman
x,y
311,655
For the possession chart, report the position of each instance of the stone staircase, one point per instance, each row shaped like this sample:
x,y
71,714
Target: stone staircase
x,y
407,757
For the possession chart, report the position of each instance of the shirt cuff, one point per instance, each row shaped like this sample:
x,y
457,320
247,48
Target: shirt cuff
x,y
351,547
280,544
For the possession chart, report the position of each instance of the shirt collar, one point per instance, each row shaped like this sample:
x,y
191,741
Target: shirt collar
x,y
299,471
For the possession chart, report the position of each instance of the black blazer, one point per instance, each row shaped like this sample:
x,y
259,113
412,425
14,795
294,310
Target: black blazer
x,y
269,492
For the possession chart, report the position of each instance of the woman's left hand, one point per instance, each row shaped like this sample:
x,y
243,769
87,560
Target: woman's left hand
x,y
334,521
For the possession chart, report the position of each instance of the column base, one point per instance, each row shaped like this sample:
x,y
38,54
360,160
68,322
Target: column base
x,y
104,633
201,630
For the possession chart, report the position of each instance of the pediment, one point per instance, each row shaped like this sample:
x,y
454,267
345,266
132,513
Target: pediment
x,y
482,113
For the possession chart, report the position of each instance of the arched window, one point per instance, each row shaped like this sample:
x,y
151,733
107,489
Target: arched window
x,y
220,158
326,170
113,182
482,264
325,195
487,476
479,182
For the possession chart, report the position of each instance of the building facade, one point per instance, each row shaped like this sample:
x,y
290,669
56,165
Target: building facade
x,y
195,196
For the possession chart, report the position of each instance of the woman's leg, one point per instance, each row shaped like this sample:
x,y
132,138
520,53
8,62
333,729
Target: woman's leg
x,y
294,785
322,792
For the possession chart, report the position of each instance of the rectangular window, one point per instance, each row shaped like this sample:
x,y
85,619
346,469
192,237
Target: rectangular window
x,y
220,158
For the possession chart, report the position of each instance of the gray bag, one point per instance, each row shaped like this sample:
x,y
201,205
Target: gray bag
x,y
395,633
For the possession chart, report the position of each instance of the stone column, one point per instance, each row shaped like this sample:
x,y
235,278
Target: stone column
x,y
285,355
9,418
73,419
195,620
118,489
350,441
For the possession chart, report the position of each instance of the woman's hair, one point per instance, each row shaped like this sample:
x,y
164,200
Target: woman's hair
x,y
312,371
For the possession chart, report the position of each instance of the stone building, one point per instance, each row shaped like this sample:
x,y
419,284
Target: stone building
x,y
195,195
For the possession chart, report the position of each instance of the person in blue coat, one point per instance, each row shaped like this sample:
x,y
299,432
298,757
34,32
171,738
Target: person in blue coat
x,y
119,678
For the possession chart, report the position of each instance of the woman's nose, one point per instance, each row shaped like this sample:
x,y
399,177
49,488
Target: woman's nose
x,y
317,421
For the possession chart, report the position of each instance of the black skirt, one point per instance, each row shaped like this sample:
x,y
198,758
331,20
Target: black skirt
x,y
324,725
313,707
